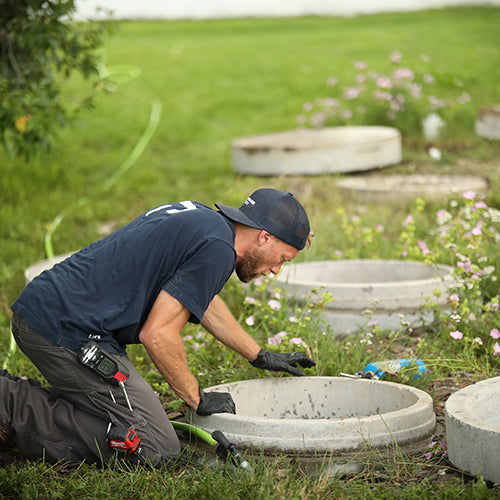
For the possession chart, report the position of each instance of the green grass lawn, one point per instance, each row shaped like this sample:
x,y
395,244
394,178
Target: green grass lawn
x,y
215,81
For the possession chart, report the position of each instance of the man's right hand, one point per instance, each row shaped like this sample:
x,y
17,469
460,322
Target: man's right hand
x,y
215,402
282,361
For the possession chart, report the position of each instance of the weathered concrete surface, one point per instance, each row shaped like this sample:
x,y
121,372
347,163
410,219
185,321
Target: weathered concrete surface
x,y
401,187
472,418
312,152
322,414
394,289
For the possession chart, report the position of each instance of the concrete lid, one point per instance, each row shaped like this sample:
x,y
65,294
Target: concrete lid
x,y
397,187
308,139
312,152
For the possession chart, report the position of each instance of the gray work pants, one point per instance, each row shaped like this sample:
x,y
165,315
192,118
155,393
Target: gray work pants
x,y
69,420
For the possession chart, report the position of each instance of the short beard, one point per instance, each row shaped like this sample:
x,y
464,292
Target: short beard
x,y
246,268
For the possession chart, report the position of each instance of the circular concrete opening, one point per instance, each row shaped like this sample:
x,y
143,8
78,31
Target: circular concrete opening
x,y
363,290
322,414
402,187
488,122
311,152
38,268
472,418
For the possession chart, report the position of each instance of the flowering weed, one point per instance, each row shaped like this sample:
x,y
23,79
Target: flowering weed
x,y
464,234
466,237
436,450
282,324
400,97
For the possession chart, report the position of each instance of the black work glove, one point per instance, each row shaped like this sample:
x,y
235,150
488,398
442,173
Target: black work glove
x,y
215,402
282,362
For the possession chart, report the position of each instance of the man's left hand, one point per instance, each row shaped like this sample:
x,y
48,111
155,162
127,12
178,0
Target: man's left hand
x,y
215,402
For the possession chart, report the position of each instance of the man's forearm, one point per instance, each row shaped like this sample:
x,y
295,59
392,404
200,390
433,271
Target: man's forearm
x,y
219,321
161,337
170,359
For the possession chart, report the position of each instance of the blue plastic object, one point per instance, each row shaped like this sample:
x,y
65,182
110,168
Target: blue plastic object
x,y
391,367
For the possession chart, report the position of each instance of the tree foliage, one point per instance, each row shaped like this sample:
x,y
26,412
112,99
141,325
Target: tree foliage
x,y
40,47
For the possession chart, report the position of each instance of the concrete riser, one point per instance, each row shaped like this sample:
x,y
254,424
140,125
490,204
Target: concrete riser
x,y
322,414
472,418
394,290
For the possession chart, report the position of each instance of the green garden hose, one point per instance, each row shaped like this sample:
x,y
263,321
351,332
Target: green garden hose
x,y
197,431
223,447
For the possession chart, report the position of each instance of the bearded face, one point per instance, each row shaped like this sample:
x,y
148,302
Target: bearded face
x,y
266,255
247,268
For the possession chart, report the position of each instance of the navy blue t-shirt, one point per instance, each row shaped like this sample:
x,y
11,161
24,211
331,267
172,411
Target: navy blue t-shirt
x,y
105,291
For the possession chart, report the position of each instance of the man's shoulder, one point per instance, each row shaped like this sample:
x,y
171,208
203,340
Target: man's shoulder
x,y
194,213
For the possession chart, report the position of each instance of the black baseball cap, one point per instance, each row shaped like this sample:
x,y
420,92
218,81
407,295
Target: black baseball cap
x,y
275,211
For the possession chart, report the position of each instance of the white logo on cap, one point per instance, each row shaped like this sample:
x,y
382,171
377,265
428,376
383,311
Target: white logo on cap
x,y
249,201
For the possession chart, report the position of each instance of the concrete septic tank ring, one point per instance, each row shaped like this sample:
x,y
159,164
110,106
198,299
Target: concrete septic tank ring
x,y
312,152
392,289
322,414
488,122
43,265
472,418
397,187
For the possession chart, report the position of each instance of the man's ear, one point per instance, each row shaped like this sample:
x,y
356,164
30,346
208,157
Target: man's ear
x,y
264,238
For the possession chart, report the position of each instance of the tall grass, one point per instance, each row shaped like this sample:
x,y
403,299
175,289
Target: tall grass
x,y
217,80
